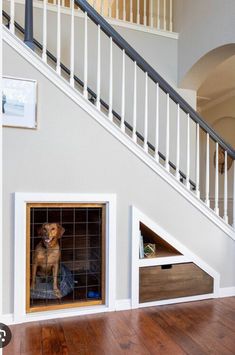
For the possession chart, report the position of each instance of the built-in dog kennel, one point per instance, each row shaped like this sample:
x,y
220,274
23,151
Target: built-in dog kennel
x,y
73,258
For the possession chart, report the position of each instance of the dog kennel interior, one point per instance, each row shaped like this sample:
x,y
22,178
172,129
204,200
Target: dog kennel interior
x,y
81,275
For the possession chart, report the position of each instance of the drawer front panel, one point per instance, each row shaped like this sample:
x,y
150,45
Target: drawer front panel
x,y
180,280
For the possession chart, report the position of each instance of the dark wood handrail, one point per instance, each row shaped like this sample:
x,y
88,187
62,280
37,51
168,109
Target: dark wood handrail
x,y
142,64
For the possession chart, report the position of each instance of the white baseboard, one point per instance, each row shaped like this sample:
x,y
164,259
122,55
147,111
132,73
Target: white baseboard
x,y
122,305
227,292
6,318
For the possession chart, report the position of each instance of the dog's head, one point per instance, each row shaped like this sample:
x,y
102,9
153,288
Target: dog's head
x,y
50,233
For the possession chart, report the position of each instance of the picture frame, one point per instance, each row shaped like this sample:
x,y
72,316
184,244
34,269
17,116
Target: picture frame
x,y
19,102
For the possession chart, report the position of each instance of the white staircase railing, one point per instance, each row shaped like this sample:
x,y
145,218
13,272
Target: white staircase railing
x,y
143,105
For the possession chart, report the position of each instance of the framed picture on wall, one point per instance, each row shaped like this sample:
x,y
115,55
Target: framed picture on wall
x,y
19,98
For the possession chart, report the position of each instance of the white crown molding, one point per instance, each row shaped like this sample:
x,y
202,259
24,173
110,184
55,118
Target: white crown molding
x,y
33,59
218,100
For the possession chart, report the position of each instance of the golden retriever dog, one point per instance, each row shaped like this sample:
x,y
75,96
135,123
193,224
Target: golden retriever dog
x,y
47,255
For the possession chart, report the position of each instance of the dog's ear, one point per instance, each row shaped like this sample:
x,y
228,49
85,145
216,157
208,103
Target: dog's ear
x,y
61,230
40,231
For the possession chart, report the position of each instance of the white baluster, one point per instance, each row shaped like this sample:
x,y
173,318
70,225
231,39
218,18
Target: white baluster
x,y
217,178
164,14
171,18
198,162
54,2
138,12
178,144
117,9
151,13
158,15
207,201
111,79
85,57
94,4
145,15
12,16
124,10
167,166
226,186
188,153
131,10
157,125
123,91
63,3
146,114
98,69
72,46
58,69
110,9
134,137
44,32
102,8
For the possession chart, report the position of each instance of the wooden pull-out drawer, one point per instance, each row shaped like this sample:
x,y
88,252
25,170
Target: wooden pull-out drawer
x,y
173,281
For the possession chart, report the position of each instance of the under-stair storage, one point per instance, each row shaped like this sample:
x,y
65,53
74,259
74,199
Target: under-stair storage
x,y
172,281
163,270
166,273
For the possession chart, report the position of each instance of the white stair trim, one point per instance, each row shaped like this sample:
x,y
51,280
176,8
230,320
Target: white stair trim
x,y
102,119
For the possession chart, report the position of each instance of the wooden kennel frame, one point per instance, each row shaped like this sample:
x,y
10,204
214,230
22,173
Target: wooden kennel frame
x,y
73,304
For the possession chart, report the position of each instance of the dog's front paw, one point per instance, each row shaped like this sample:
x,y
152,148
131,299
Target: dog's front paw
x,y
57,293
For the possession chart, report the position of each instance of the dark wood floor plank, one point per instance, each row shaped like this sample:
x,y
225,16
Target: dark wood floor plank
x,y
200,329
15,344
177,333
76,332
103,335
51,340
216,325
31,340
195,328
155,339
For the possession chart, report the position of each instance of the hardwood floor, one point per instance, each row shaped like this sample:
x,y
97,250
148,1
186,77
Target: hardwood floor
x,y
196,328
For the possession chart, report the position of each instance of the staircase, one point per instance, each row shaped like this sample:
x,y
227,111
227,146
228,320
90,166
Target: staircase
x,y
114,85
147,110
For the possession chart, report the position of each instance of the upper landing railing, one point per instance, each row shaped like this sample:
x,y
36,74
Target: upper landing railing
x,y
142,104
154,14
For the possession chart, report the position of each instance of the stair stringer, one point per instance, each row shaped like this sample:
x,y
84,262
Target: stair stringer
x,y
33,59
187,256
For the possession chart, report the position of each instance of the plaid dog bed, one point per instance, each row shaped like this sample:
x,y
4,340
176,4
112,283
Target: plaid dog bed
x,y
44,288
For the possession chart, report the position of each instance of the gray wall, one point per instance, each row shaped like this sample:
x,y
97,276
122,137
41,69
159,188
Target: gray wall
x,y
70,152
202,26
